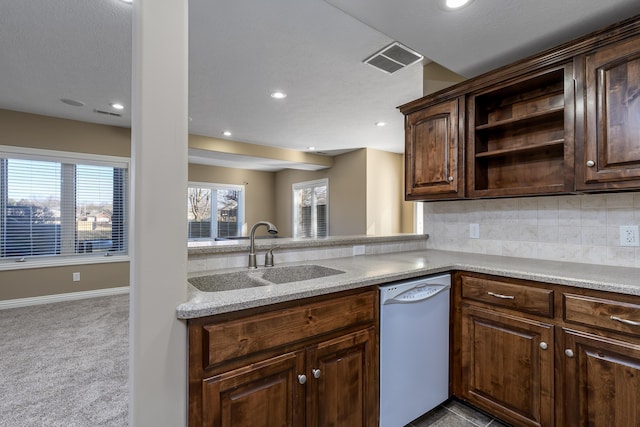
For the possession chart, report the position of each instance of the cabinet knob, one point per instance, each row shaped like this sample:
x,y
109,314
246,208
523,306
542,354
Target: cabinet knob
x,y
544,345
591,163
302,379
450,179
316,373
568,352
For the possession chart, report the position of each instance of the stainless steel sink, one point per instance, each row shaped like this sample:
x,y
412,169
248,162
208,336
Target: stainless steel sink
x,y
261,277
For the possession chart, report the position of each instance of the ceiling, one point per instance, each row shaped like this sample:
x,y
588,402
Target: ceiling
x,y
240,51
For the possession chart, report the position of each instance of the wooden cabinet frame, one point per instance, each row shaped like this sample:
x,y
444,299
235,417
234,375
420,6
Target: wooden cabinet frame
x,y
584,363
549,165
300,361
434,154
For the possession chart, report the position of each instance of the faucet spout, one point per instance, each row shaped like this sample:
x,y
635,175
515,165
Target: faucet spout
x,y
252,248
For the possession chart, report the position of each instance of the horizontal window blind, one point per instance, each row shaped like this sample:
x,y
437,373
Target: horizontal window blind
x,y
52,204
311,209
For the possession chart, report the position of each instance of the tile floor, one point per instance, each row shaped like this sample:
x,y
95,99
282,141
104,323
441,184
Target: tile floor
x,y
454,413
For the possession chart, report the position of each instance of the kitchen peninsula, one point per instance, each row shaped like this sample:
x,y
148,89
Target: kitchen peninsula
x,y
547,320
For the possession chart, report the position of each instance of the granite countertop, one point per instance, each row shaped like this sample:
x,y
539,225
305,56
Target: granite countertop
x,y
361,271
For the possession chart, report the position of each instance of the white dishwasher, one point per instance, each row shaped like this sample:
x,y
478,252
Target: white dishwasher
x,y
414,348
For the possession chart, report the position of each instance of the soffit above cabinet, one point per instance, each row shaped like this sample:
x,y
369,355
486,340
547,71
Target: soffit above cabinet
x,y
485,34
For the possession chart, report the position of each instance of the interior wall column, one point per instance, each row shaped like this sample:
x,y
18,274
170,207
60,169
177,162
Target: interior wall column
x,y
158,376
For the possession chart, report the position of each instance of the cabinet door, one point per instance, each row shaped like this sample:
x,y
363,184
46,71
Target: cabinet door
x,y
611,157
266,394
433,162
602,386
343,381
507,366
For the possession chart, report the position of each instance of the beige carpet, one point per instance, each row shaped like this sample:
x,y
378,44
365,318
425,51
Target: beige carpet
x,y
65,364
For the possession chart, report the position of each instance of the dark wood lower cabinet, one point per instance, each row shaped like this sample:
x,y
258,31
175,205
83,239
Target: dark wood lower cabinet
x,y
602,381
537,354
266,394
341,395
291,365
507,366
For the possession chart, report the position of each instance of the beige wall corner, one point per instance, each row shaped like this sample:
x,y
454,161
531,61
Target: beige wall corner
x,y
384,192
408,217
260,200
408,208
435,77
347,194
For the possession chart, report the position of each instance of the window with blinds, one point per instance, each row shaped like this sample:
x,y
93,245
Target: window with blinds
x,y
56,204
214,210
311,208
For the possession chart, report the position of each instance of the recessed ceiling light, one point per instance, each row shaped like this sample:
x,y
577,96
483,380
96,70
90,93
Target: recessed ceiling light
x,y
456,4
72,102
278,95
117,106
381,124
311,148
226,133
127,1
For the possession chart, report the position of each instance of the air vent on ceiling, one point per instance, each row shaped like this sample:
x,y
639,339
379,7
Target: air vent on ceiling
x,y
393,58
107,113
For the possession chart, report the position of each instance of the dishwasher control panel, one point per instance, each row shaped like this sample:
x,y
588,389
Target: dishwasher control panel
x,y
414,290
419,293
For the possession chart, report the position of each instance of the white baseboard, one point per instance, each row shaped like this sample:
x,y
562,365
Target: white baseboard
x,y
46,299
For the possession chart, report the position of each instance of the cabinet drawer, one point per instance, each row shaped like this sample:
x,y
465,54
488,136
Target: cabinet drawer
x,y
503,294
602,313
233,339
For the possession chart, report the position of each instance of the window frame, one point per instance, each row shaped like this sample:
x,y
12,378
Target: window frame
x,y
214,186
294,214
65,158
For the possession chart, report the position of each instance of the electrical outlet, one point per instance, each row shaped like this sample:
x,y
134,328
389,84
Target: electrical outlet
x,y
474,231
629,235
76,277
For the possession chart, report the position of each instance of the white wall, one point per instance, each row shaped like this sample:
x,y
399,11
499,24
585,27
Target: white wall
x,y
577,228
157,348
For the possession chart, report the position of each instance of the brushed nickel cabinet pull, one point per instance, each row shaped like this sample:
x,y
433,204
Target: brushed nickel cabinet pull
x,y
568,352
591,163
625,321
302,379
544,345
493,294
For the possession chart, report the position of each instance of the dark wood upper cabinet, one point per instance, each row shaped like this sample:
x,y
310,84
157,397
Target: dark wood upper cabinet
x,y
565,120
520,136
434,152
610,157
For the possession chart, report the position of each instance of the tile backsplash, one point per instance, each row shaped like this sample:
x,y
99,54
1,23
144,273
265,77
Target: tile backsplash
x,y
576,228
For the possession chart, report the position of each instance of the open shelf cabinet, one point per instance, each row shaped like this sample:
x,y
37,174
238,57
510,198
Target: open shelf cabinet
x,y
520,136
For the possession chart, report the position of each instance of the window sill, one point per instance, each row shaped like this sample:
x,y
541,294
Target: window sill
x,y
61,261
